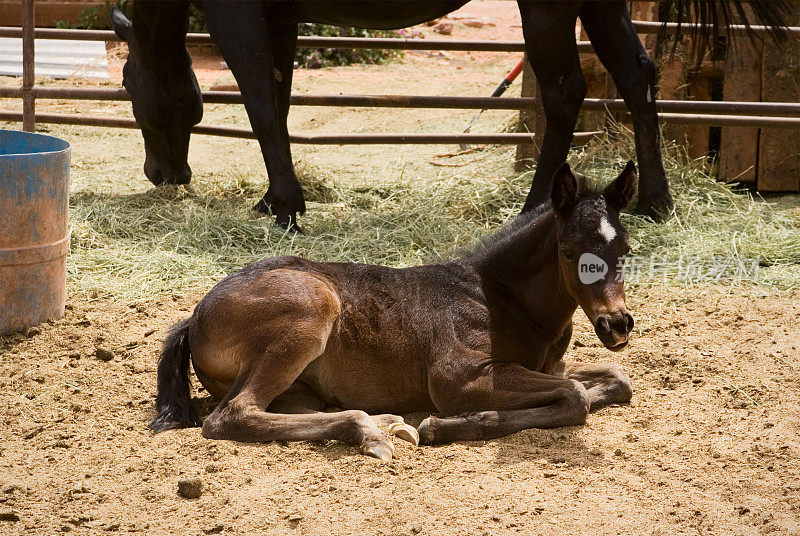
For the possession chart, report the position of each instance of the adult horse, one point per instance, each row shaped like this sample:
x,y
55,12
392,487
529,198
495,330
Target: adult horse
x,y
479,339
258,41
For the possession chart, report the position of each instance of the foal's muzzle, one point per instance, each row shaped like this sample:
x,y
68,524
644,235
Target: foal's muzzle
x,y
613,329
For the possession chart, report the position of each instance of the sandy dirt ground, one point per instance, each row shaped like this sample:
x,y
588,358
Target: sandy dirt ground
x,y
708,445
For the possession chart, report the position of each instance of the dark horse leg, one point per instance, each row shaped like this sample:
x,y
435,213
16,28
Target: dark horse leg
x,y
257,40
608,24
549,31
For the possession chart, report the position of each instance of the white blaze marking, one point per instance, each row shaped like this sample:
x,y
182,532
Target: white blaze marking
x,y
606,230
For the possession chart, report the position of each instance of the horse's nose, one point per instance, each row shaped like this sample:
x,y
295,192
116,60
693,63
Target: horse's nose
x,y
628,322
602,326
613,329
182,176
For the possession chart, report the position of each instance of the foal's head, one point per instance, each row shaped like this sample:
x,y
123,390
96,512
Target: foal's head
x,y
592,245
158,76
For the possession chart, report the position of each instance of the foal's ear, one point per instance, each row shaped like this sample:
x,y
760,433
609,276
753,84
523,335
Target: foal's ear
x,y
565,189
122,26
620,192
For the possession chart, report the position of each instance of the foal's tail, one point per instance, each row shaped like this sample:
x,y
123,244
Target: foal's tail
x,y
173,399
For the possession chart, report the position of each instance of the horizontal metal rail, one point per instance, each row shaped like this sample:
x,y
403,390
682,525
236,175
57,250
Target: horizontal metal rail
x,y
649,27
730,120
789,109
410,138
394,43
643,27
314,139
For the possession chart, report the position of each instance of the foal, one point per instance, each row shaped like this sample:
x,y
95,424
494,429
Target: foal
x,y
479,340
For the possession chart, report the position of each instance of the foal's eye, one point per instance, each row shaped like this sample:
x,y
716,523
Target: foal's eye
x,y
568,254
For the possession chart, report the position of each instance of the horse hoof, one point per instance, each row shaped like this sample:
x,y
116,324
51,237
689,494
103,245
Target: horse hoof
x,y
289,222
170,189
262,207
425,432
379,449
657,208
405,432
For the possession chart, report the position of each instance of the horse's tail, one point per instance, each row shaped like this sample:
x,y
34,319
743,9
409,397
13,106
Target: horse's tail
x,y
715,15
173,401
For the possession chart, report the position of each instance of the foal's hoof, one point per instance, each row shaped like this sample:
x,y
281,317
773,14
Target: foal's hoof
x,y
425,431
378,449
404,431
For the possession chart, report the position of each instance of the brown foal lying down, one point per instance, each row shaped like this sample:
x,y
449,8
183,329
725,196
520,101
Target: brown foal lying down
x,y
478,340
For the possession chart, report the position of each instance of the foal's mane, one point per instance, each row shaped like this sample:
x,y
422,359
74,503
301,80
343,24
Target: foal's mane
x,y
487,244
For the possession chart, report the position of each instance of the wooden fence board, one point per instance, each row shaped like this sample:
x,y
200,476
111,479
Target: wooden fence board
x,y
738,154
779,149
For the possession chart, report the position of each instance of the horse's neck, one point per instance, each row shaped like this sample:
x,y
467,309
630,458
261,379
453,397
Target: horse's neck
x,y
526,263
161,26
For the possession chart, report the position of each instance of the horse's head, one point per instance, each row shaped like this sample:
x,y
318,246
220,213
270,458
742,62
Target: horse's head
x,y
163,89
592,245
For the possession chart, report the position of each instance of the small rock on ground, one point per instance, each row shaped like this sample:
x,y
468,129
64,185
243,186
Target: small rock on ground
x,y
190,488
444,28
8,515
103,354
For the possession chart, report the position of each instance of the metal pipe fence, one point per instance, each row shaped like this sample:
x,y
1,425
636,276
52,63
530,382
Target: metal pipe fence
x,y
721,113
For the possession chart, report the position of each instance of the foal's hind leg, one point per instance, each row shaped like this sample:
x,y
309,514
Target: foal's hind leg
x,y
300,398
241,417
278,336
606,383
614,39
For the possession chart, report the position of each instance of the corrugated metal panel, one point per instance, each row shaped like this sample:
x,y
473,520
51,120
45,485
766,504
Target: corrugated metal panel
x,y
56,58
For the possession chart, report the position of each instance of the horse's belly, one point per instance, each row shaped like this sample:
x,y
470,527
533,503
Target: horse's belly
x,y
370,14
353,381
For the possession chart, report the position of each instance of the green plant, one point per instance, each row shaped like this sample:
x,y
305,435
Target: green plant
x,y
96,18
326,57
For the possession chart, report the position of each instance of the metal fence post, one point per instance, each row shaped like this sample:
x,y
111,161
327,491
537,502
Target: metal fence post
x,y
28,73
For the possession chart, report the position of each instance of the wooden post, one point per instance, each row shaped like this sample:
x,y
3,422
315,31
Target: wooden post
x,y
596,78
697,135
532,120
672,84
779,149
738,153
28,73
646,11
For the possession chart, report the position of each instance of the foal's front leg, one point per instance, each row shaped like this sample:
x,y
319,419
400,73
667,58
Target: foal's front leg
x,y
606,383
493,399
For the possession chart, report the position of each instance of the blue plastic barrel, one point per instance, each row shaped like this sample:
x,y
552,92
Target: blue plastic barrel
x,y
34,236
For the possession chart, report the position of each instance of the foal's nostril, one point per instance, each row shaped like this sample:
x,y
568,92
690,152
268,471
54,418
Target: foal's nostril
x,y
628,323
603,326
